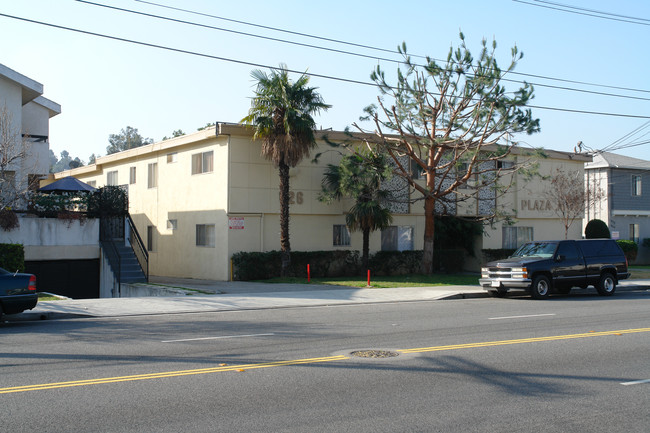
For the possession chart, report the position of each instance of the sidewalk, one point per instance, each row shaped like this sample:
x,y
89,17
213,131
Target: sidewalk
x,y
232,296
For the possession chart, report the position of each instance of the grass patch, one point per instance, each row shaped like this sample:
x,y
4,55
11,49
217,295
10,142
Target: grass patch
x,y
48,297
411,280
639,273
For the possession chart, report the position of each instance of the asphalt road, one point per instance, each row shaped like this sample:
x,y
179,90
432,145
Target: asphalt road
x,y
569,364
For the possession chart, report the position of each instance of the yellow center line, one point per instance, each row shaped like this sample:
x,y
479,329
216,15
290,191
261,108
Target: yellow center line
x,y
243,367
106,380
523,340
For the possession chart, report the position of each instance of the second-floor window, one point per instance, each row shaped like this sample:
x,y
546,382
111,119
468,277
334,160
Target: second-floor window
x,y
131,175
111,178
202,162
153,175
636,184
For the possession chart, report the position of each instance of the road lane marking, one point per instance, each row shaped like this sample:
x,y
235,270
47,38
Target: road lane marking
x,y
523,340
223,337
220,369
521,317
164,374
635,382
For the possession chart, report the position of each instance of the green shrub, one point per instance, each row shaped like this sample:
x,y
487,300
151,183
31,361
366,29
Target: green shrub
x,y
12,257
597,229
630,249
261,266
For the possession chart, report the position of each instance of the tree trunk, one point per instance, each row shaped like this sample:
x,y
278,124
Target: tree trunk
x,y
366,248
429,230
285,245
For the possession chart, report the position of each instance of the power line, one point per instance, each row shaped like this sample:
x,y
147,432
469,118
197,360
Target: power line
x,y
593,10
375,48
602,15
259,65
191,23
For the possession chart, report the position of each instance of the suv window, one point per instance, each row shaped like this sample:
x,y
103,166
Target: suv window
x,y
568,250
597,248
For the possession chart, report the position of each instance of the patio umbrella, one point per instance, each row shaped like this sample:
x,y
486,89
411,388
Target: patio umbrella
x,y
67,184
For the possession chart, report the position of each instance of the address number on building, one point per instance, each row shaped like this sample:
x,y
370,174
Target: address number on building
x,y
295,197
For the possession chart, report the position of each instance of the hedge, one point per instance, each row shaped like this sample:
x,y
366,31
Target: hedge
x,y
630,249
261,266
12,257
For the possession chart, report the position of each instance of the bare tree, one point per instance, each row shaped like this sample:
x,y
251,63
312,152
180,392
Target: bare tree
x,y
452,122
14,150
570,197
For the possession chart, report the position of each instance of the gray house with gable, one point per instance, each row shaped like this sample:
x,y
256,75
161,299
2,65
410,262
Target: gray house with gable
x,y
625,207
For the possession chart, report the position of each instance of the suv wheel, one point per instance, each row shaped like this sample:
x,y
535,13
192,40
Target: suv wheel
x,y
541,287
606,285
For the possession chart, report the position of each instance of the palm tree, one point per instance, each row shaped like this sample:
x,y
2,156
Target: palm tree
x,y
360,178
281,113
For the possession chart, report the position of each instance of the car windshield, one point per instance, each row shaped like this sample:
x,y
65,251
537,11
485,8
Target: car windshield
x,y
536,249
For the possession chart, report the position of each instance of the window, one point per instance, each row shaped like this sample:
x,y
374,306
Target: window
x,y
33,181
111,178
172,224
636,185
152,179
172,157
205,235
92,183
634,233
340,236
568,250
202,162
397,238
505,164
150,238
514,237
131,175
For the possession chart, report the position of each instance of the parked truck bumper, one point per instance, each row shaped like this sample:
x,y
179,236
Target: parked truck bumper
x,y
504,283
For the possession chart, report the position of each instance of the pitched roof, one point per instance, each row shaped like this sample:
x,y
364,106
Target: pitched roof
x,y
612,160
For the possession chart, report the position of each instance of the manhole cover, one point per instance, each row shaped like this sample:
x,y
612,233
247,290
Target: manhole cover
x,y
374,353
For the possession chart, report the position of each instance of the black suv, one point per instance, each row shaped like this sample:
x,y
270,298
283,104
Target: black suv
x,y
545,266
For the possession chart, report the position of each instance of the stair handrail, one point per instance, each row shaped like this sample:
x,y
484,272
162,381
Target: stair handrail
x,y
113,255
138,247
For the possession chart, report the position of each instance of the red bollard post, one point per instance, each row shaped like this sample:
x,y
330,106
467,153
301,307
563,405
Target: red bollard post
x,y
368,277
308,274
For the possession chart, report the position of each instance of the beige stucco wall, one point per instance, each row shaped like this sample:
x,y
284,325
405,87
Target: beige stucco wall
x,y
240,197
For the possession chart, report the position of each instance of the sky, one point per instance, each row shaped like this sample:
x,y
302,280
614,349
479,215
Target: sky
x,y
104,85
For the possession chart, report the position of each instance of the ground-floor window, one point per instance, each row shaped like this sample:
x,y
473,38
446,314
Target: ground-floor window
x,y
634,233
514,237
340,236
397,238
205,235
150,238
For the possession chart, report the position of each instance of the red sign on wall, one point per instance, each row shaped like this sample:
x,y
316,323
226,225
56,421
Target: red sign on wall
x,y
236,223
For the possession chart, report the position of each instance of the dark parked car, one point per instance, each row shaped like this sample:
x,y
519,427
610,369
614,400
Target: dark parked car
x,y
546,266
17,292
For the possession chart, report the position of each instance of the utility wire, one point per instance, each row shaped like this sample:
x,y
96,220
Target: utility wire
x,y
258,65
611,18
593,10
375,48
191,23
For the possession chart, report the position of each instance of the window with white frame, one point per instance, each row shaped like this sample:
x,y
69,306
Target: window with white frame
x,y
152,178
111,178
172,157
636,185
131,175
397,238
514,237
634,233
92,183
172,224
202,162
205,235
340,235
